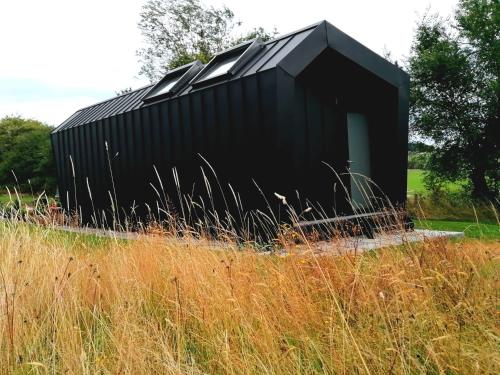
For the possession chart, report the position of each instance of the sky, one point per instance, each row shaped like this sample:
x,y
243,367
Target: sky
x,y
57,56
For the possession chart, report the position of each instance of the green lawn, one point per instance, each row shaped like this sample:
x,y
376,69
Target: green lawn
x,y
416,183
471,229
5,198
25,198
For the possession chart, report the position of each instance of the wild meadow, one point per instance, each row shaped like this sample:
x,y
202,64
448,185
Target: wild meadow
x,y
207,302
78,304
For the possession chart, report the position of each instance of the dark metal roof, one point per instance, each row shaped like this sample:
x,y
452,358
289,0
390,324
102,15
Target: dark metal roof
x,y
110,107
287,51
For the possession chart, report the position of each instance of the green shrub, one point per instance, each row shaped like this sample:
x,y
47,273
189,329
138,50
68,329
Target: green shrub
x,y
26,159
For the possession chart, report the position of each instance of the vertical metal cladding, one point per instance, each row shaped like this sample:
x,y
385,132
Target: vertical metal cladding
x,y
279,122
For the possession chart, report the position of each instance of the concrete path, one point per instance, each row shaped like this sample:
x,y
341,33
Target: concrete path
x,y
340,245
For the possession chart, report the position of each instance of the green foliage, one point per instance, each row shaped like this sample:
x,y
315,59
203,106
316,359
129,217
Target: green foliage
x,y
26,158
449,202
177,32
418,160
455,68
257,33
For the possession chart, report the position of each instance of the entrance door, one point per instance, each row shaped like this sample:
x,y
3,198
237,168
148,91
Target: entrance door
x,y
359,158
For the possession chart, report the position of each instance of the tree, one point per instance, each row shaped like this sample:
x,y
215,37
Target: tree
x,y
177,32
256,33
123,91
454,101
419,147
26,154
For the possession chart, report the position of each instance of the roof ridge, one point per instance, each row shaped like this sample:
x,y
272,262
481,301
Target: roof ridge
x,y
278,38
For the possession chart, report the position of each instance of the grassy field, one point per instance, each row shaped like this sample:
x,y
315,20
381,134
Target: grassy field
x,y
25,198
479,221
416,183
5,198
485,231
170,306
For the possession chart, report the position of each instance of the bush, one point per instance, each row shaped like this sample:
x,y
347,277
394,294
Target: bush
x,y
26,158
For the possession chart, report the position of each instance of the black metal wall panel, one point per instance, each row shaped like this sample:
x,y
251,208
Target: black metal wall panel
x,y
90,174
186,126
197,123
96,185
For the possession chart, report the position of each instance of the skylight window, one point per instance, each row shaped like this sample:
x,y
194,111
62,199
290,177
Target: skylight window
x,y
222,68
227,63
173,81
165,87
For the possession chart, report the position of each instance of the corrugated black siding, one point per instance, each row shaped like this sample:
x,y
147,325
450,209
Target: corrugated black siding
x,y
232,126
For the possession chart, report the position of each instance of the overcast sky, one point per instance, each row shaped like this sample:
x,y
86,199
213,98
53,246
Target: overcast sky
x,y
59,55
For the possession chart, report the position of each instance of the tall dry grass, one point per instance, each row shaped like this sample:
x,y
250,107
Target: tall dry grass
x,y
69,305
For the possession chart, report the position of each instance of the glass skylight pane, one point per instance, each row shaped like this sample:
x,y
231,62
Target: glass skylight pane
x,y
166,87
222,68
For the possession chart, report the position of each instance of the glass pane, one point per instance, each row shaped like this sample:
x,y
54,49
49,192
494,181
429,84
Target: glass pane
x,y
222,68
166,87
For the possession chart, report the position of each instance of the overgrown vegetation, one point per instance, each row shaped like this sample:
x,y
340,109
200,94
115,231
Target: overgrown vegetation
x,y
181,306
446,205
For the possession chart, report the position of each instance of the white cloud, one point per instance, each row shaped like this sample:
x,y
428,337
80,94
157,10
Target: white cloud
x,y
70,43
53,111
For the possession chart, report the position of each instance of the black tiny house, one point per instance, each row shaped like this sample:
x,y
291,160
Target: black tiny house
x,y
273,117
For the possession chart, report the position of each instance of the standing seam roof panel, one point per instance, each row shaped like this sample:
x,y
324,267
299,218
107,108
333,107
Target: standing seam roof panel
x,y
94,112
267,52
128,101
69,119
105,109
284,50
115,106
